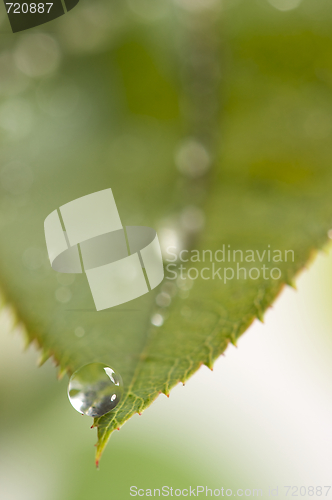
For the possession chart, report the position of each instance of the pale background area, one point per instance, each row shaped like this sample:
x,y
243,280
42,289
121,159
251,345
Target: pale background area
x,y
261,418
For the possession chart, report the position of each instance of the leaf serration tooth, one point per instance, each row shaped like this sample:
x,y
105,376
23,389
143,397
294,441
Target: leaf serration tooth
x,y
290,282
44,356
260,316
62,371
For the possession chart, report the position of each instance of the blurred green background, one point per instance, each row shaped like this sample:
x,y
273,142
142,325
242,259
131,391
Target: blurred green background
x,y
262,418
109,84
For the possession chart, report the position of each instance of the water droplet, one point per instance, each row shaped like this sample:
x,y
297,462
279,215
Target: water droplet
x,y
192,159
79,332
163,299
95,389
98,20
157,320
285,4
37,55
63,295
170,238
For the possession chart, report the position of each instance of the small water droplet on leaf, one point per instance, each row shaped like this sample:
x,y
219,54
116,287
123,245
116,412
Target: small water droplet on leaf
x,y
95,389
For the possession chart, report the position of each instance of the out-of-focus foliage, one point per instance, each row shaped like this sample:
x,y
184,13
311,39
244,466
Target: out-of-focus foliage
x,y
210,122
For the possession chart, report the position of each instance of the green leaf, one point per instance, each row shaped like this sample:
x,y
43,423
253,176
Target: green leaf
x,y
111,117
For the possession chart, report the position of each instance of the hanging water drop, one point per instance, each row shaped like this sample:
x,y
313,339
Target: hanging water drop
x,y
95,389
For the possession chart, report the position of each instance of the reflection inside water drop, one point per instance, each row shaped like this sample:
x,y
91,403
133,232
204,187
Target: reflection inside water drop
x,y
95,389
